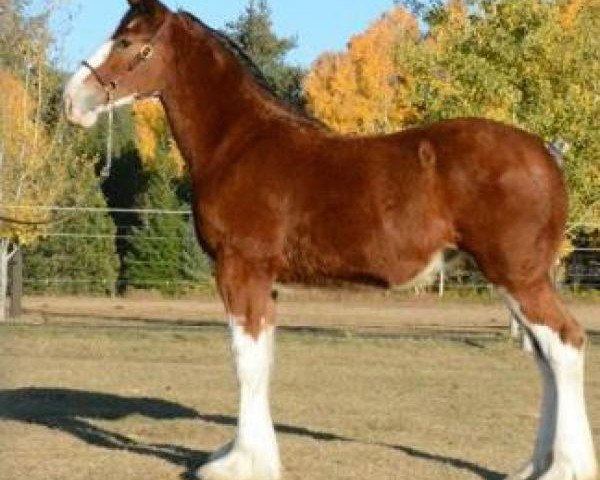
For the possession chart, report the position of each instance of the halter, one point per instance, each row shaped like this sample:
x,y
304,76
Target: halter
x,y
110,85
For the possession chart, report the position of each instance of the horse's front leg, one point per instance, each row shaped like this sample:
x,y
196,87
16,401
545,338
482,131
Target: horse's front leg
x,y
253,454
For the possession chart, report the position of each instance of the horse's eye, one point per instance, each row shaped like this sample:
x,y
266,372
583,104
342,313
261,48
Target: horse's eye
x,y
123,44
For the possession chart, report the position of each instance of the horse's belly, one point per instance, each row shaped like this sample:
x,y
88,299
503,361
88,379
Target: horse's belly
x,y
379,267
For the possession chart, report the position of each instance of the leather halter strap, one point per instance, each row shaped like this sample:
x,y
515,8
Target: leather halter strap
x,y
110,85
103,83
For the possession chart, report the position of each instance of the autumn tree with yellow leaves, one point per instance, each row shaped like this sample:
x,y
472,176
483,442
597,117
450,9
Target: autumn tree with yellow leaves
x,y
32,167
531,63
153,139
39,163
31,174
362,90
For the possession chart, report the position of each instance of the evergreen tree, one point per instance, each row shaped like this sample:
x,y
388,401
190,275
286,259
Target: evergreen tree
x,y
163,253
41,166
253,30
78,255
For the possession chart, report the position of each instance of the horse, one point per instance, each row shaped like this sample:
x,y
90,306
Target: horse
x,y
279,197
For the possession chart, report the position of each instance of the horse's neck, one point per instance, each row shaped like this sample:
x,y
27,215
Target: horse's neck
x,y
210,102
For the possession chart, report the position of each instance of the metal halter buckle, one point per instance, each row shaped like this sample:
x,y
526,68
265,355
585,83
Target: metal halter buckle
x,y
146,51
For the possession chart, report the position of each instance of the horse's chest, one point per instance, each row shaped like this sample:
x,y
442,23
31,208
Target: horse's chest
x,y
209,229
250,228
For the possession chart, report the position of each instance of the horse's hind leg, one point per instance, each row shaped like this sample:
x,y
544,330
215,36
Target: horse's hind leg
x,y
564,449
542,455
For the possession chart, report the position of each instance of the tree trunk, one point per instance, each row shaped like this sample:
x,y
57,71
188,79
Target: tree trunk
x,y
16,284
4,257
515,328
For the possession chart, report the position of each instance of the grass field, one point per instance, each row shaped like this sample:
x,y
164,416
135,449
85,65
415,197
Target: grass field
x,y
120,398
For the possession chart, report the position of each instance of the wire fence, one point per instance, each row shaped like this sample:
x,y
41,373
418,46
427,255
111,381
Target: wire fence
x,y
106,251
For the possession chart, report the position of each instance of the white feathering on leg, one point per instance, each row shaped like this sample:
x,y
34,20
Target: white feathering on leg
x,y
564,448
254,454
573,448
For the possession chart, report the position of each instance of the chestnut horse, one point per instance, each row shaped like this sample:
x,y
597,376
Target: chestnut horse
x,y
279,197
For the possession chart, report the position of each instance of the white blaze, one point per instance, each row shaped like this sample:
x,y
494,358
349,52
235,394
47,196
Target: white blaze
x,y
96,60
81,101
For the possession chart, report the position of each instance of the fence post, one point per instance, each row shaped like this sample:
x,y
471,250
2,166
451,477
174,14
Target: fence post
x,y
442,281
515,328
16,284
518,332
526,344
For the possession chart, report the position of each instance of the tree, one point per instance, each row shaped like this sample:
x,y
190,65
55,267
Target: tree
x,y
41,160
162,253
253,30
34,169
530,63
78,254
363,90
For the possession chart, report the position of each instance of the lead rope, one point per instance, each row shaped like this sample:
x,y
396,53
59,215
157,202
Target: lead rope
x,y
105,173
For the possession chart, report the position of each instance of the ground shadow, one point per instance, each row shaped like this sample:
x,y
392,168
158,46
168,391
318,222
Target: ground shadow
x,y
69,411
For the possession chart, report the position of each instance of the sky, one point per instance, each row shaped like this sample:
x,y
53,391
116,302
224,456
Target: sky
x,y
319,25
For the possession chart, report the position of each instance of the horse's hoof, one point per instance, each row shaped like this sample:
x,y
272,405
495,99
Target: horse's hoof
x,y
526,472
234,463
564,470
560,470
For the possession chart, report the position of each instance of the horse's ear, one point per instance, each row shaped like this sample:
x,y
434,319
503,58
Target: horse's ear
x,y
152,7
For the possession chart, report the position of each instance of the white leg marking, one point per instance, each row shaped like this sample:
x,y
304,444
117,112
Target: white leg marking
x,y
542,455
547,430
254,454
564,448
573,447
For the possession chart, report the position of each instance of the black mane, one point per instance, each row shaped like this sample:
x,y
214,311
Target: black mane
x,y
238,51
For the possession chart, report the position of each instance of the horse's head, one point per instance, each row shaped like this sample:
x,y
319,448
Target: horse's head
x,y
128,66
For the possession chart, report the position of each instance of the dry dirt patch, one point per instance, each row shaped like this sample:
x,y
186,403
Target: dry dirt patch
x,y
296,308
148,402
